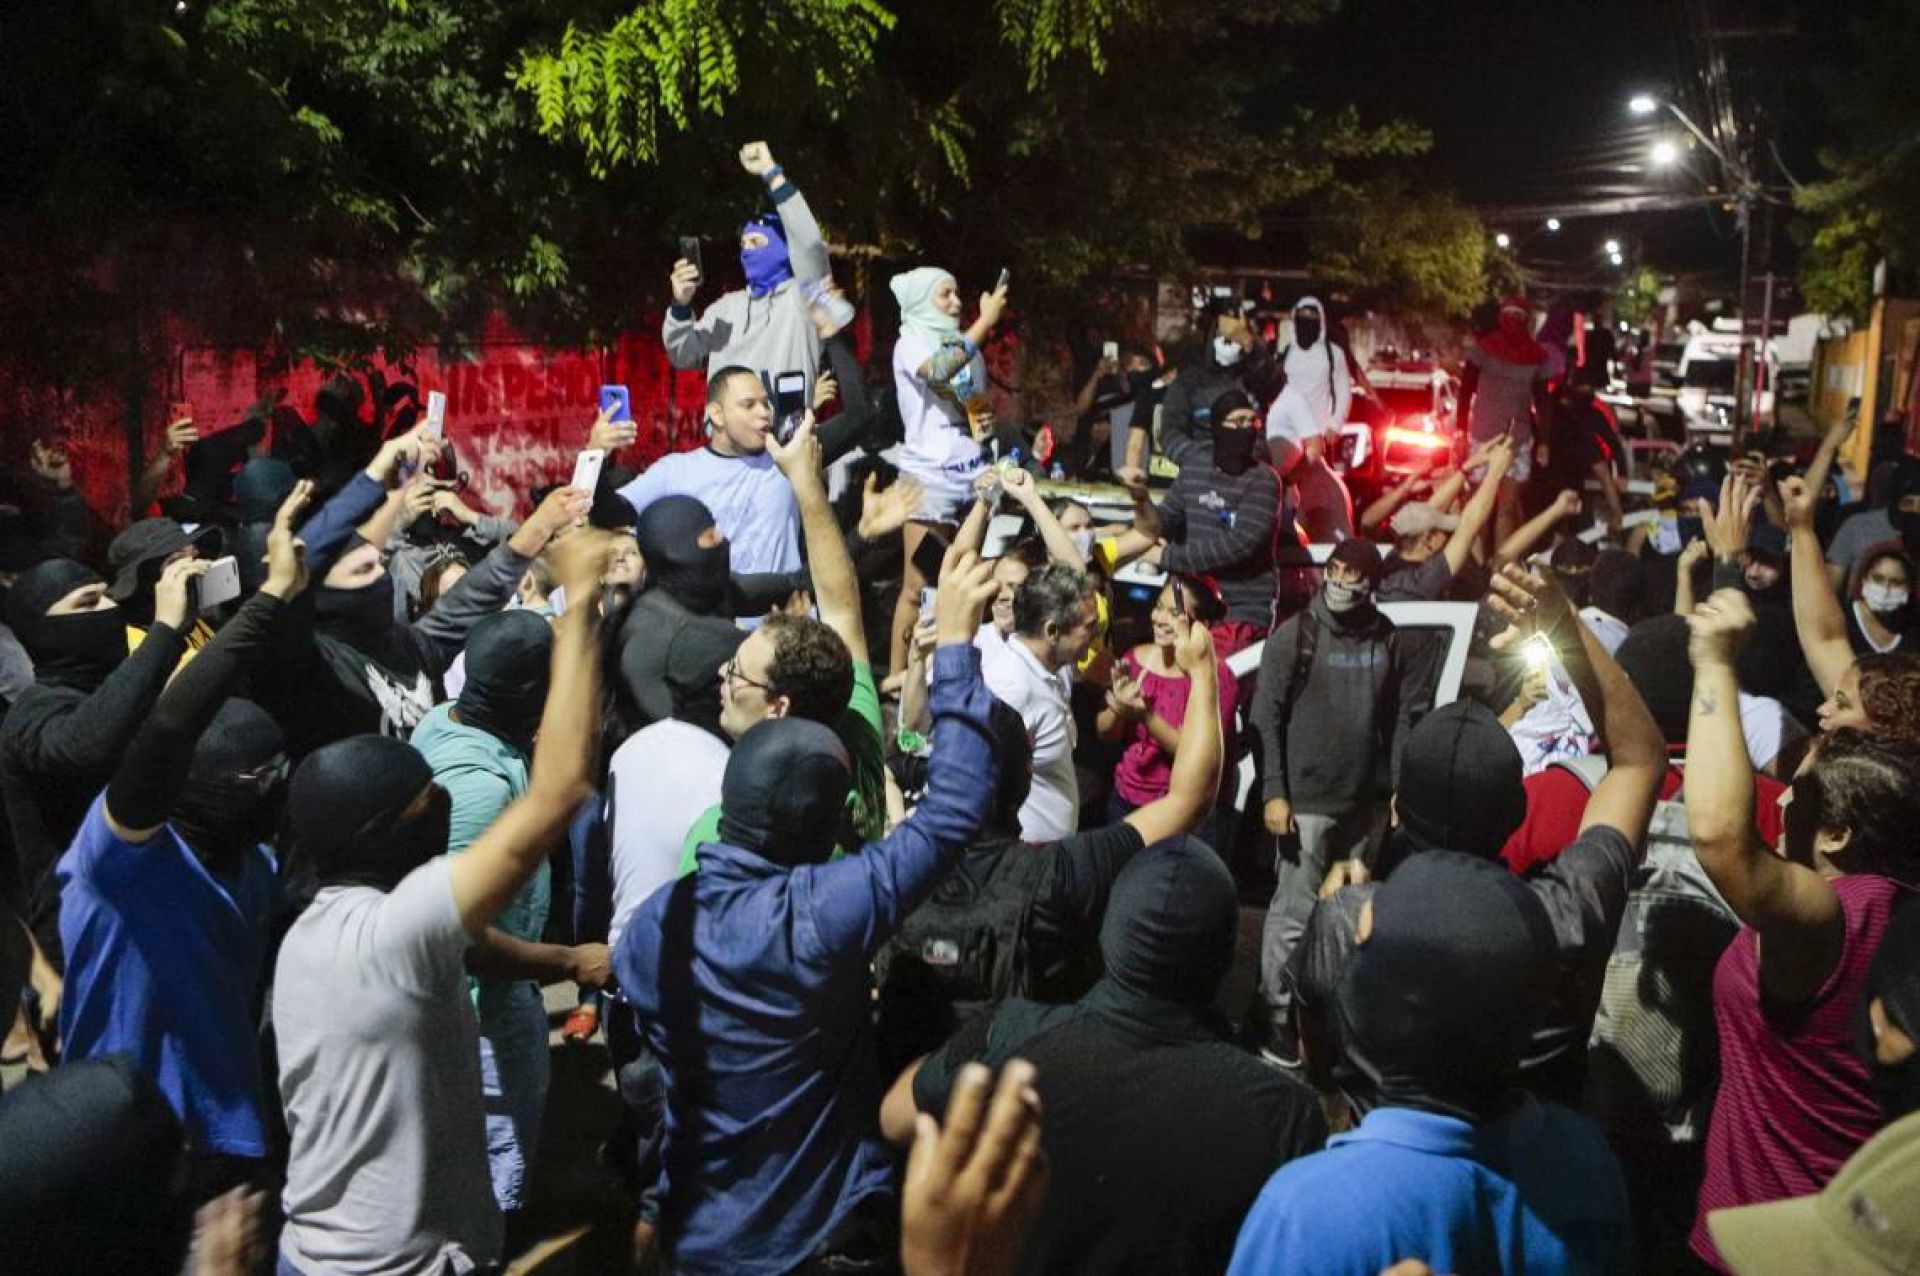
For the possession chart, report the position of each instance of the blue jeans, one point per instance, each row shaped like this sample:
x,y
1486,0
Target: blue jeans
x,y
514,1071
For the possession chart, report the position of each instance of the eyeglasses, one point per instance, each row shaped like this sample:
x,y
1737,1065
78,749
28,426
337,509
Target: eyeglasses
x,y
731,672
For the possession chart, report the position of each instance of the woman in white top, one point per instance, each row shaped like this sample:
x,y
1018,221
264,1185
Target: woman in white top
x,y
940,381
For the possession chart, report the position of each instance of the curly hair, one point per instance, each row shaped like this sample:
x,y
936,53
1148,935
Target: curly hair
x,y
1890,695
1868,786
811,666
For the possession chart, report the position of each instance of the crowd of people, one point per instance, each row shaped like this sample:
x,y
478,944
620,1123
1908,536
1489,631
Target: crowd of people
x,y
895,851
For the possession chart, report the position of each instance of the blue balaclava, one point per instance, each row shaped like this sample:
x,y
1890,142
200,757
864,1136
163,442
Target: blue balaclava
x,y
768,266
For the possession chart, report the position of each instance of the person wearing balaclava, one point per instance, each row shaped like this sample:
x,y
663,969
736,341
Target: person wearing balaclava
x,y
680,618
1232,357
1502,391
1225,518
1457,1164
480,748
766,326
792,1067
371,1008
93,1165
62,738
135,559
1159,1129
1304,423
357,669
1460,788
1339,688
1042,900
169,893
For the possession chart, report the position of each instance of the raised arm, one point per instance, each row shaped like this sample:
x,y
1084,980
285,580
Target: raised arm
x,y
1795,910
836,590
1060,546
154,767
1636,751
89,739
327,531
972,535
1517,547
1816,611
860,900
490,872
1388,502
806,247
1196,762
1683,573
181,435
491,584
1479,509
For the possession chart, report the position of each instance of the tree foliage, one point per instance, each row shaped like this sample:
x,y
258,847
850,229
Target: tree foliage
x,y
1400,248
356,174
1868,207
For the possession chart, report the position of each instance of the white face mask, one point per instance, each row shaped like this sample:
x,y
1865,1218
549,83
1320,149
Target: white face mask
x,y
1083,541
1227,351
1883,598
1344,597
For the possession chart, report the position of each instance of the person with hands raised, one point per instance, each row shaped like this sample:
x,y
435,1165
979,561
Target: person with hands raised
x,y
370,1000
940,382
1432,548
1795,1097
1019,486
766,326
62,738
169,890
793,1067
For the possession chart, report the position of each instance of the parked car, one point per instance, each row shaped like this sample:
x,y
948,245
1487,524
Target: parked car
x,y
1397,430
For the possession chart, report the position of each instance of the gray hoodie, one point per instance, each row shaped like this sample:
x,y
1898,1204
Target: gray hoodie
x,y
770,334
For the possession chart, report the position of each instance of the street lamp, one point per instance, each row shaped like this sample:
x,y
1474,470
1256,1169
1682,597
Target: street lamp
x,y
1616,259
1553,223
1613,248
1503,240
1643,104
1664,154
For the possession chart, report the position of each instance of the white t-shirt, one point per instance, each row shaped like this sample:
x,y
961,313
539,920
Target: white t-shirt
x,y
1015,675
1768,727
936,448
1559,726
665,777
380,1077
1318,392
751,501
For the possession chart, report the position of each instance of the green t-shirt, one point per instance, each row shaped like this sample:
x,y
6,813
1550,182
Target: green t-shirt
x,y
858,727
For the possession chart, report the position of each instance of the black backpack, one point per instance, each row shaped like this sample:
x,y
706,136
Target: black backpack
x,y
962,950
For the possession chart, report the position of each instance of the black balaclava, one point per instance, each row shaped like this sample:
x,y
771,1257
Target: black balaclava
x,y
1013,749
1894,980
1232,449
1437,1003
1170,924
696,577
1461,782
260,487
361,617
93,1173
344,807
784,789
74,651
1654,658
235,784
509,660
1307,323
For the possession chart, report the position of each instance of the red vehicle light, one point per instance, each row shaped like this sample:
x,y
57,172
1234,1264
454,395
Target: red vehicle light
x,y
1429,439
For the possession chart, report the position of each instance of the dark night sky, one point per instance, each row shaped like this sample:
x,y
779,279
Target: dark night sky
x,y
1527,105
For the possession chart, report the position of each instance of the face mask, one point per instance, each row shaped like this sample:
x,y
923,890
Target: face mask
x,y
508,658
235,783
768,266
1227,352
784,791
1343,597
693,575
1233,450
1883,599
362,618
83,647
344,809
1083,541
1306,331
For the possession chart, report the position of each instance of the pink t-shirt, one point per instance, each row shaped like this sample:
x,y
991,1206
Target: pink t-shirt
x,y
1145,769
1795,1098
